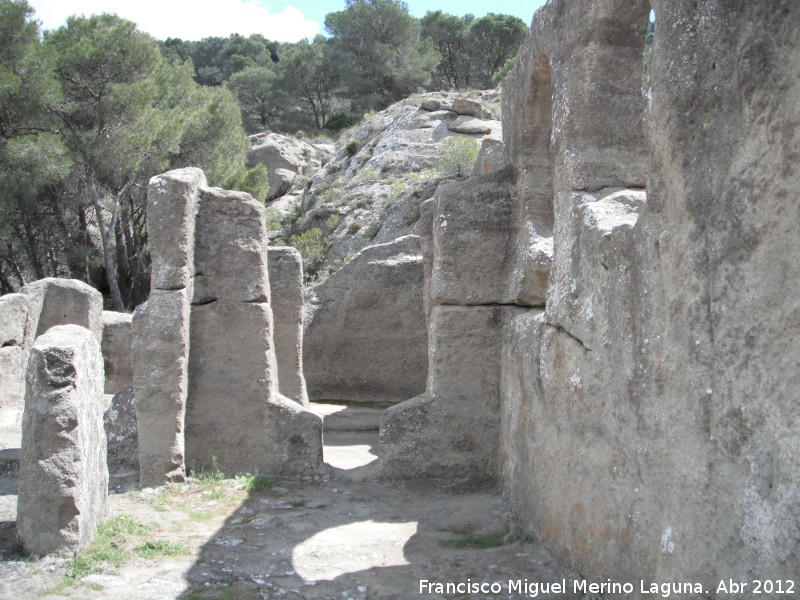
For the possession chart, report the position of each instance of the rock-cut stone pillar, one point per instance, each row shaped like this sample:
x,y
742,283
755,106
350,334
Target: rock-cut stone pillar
x,y
160,327
63,480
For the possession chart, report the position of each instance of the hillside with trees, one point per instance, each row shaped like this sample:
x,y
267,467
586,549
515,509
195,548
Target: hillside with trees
x,y
91,111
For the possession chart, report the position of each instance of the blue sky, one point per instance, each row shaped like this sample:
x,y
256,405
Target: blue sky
x,y
282,20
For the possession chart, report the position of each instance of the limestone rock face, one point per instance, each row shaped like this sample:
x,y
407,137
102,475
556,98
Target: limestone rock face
x,y
367,340
286,291
13,319
63,480
658,378
117,352
284,157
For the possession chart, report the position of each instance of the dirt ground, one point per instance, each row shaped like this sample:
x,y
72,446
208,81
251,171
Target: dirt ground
x,y
343,535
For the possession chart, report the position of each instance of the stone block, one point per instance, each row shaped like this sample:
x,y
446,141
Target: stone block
x,y
286,291
233,400
160,346
117,358
171,207
367,340
63,480
55,301
122,434
453,429
230,254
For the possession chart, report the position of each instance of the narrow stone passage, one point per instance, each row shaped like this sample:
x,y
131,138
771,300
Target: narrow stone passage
x,y
341,535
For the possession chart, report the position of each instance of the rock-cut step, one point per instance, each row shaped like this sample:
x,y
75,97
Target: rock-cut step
x,y
340,417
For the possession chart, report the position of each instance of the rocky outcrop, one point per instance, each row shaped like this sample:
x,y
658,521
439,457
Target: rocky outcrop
x,y
645,428
63,479
366,337
371,190
285,158
56,301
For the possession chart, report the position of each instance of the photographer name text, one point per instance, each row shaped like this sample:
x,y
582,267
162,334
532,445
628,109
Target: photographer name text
x,y
534,589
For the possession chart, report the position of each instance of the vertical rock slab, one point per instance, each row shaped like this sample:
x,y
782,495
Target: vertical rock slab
x,y
161,379
55,301
122,435
160,327
452,429
367,339
285,267
235,413
63,481
13,319
117,359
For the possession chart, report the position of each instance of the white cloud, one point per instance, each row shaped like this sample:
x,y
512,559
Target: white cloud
x,y
188,19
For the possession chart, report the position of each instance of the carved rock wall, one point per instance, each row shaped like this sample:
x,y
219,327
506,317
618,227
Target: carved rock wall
x,y
647,428
205,374
645,424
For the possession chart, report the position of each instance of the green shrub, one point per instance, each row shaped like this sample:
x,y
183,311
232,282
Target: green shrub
x,y
339,121
501,73
332,222
352,147
457,155
310,244
354,226
373,229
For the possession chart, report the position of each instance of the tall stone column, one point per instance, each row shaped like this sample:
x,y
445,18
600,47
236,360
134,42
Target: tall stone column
x,y
161,326
63,480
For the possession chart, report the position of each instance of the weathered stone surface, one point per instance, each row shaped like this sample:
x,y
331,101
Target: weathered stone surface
x,y
63,480
55,301
367,339
452,429
234,411
284,157
483,254
13,357
171,206
286,291
117,354
471,107
491,157
160,345
230,256
469,125
122,434
13,318
659,375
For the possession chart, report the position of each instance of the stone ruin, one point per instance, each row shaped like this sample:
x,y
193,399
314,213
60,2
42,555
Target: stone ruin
x,y
196,375
205,372
613,314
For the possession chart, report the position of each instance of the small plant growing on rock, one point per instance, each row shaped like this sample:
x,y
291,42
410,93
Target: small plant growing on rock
x,y
373,229
352,148
332,222
457,155
354,226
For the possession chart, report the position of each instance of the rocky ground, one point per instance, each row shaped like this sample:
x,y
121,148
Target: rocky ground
x,y
345,534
